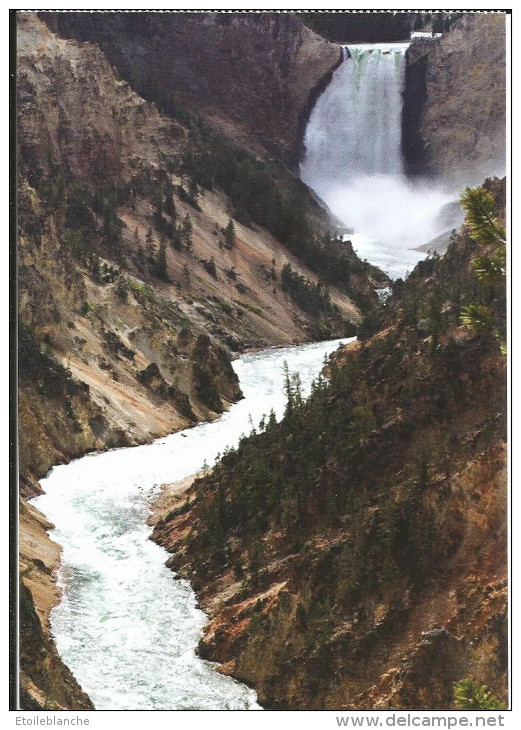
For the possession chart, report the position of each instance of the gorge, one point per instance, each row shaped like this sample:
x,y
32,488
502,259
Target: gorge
x,y
100,504
164,233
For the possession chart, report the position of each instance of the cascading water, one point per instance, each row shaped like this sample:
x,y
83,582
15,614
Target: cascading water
x,y
353,160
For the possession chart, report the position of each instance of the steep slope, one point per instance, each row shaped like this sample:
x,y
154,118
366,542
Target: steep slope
x,y
455,100
140,274
125,260
248,75
354,555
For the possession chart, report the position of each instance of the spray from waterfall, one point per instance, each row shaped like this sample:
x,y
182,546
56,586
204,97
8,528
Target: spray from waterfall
x,y
353,160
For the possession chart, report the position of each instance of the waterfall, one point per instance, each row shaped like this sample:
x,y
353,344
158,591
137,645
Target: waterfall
x,y
353,159
355,127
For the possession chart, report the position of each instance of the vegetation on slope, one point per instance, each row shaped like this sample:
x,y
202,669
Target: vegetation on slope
x,y
328,540
268,195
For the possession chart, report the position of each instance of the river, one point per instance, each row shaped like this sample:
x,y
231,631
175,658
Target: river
x,y
125,627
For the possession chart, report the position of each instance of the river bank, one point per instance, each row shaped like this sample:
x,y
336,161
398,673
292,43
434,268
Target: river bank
x,y
118,596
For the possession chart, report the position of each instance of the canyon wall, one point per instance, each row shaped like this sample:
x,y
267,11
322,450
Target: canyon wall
x,y
94,158
134,299
455,100
248,75
354,556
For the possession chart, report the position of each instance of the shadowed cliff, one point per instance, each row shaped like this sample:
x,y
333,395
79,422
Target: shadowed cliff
x,y
455,100
247,74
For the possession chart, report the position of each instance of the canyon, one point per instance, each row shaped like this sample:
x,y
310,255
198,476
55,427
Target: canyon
x,y
353,556
164,232
110,354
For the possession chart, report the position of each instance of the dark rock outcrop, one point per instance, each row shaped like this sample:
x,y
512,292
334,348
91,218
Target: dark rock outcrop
x,y
46,683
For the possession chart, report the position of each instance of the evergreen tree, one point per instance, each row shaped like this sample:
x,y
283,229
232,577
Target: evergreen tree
x,y
484,228
122,288
470,695
151,249
193,190
94,266
229,234
158,203
161,269
186,231
480,217
169,202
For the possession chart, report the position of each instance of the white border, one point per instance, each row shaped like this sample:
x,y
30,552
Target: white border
x,y
231,720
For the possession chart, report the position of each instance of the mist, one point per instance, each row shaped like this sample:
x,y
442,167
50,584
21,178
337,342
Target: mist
x,y
353,161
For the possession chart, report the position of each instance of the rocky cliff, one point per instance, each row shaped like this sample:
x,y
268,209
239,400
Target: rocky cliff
x,y
104,198
455,100
142,269
354,555
248,75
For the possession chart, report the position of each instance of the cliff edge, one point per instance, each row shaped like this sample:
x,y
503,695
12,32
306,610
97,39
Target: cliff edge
x,y
455,100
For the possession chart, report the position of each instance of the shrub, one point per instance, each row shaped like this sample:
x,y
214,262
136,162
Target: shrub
x,y
470,695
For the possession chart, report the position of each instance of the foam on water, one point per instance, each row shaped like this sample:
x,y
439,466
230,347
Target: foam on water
x,y
125,627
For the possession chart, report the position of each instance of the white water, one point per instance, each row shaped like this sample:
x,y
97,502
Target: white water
x,y
353,160
125,627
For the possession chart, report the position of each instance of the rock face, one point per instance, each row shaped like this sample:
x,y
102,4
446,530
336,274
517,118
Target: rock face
x,y
249,75
45,682
84,135
455,98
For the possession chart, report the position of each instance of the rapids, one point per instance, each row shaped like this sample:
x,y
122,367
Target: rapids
x,y
126,627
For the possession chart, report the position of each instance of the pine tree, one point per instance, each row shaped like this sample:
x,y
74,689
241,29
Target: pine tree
x,y
193,190
161,269
229,234
112,228
480,218
122,288
470,695
484,228
186,231
169,202
151,249
158,202
478,318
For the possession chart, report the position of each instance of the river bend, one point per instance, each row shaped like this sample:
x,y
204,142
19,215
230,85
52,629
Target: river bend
x,y
125,627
